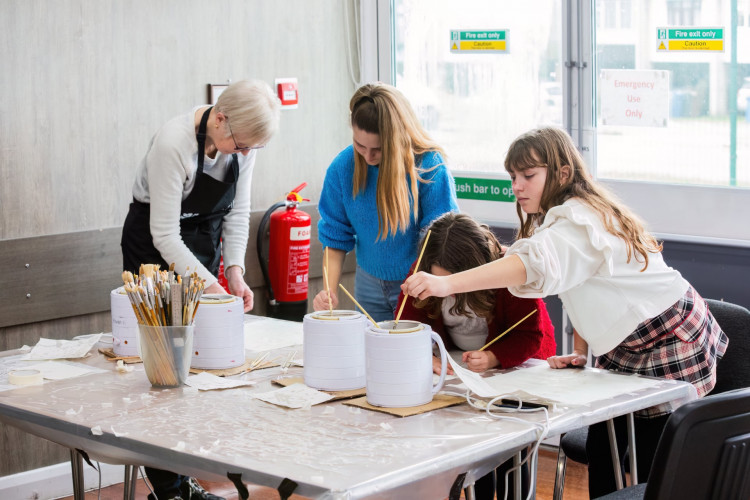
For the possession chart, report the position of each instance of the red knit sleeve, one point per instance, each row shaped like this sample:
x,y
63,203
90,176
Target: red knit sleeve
x,y
533,338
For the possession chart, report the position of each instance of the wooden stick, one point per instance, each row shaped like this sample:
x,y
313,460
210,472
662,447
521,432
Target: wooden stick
x,y
328,286
416,268
506,331
357,304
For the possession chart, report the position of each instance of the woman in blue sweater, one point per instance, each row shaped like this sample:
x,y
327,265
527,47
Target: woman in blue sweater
x,y
378,194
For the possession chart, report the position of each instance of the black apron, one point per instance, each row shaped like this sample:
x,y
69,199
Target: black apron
x,y
201,219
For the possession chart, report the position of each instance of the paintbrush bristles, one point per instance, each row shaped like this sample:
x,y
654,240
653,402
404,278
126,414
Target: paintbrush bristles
x,y
152,298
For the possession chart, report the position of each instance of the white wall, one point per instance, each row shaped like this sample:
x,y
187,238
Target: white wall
x,y
86,83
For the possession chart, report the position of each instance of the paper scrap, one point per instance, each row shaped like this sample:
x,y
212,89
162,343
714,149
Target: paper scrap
x,y
96,431
63,349
205,381
122,367
294,396
117,434
57,370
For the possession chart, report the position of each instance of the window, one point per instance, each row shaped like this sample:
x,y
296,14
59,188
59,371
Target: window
x,y
690,141
474,103
565,62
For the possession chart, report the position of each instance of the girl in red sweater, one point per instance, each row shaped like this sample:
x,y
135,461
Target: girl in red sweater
x,y
468,321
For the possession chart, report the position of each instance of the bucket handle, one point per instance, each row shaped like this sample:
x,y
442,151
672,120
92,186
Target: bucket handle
x,y
443,362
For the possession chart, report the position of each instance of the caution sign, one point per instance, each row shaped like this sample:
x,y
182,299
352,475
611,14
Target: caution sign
x,y
478,41
702,39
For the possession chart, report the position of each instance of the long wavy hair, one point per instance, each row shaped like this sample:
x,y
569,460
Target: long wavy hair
x,y
378,108
458,243
552,148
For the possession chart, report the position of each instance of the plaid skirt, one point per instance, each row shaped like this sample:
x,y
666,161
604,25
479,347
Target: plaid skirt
x,y
683,343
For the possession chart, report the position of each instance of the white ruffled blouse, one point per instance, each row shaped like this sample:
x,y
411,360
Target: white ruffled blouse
x,y
573,256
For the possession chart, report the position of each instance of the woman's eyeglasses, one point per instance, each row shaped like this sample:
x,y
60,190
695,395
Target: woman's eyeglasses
x,y
237,147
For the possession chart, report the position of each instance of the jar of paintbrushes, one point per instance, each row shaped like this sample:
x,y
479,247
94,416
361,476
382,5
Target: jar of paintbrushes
x,y
165,306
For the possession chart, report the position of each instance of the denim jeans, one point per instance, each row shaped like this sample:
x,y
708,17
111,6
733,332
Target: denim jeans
x,y
378,297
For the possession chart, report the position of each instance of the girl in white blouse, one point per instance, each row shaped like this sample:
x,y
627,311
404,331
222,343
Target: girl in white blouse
x,y
579,242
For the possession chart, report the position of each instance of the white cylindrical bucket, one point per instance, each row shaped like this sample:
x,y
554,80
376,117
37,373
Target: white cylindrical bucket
x,y
399,364
334,350
219,338
124,324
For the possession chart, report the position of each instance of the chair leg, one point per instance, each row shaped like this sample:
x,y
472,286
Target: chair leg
x,y
562,462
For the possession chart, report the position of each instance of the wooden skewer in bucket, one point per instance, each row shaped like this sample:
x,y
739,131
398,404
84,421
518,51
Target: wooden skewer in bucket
x,y
416,268
357,304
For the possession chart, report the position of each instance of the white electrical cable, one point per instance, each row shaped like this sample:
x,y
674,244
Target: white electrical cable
x,y
543,429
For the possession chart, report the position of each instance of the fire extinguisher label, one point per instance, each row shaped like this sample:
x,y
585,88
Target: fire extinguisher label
x,y
299,233
299,261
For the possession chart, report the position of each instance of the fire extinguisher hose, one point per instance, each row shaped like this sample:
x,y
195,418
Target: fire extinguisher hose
x,y
262,249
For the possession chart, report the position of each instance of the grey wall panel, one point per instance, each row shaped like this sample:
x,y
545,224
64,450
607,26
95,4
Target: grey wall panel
x,y
716,271
58,276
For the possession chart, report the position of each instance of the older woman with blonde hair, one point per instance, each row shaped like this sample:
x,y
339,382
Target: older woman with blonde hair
x,y
191,206
191,196
378,194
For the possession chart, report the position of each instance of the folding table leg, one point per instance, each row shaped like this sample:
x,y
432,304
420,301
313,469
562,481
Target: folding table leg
x,y
469,492
562,462
615,453
76,468
631,445
519,477
129,483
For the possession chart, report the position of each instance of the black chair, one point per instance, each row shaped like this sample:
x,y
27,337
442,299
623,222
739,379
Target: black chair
x,y
704,452
732,372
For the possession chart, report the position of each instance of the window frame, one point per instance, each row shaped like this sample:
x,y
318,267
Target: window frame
x,y
710,215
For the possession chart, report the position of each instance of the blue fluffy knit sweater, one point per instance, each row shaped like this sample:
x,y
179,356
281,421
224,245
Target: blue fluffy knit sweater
x,y
347,223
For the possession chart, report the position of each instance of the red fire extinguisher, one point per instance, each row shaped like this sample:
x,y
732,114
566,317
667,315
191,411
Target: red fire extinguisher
x,y
286,268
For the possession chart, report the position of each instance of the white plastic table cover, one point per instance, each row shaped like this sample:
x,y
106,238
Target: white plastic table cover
x,y
330,450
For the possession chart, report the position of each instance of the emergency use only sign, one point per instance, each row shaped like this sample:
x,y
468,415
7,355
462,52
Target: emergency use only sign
x,y
706,39
635,98
469,188
479,41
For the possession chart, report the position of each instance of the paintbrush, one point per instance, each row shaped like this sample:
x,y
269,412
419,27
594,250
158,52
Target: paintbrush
x,y
357,304
506,331
328,286
416,268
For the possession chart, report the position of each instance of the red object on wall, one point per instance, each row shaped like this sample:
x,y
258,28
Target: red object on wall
x,y
287,91
289,250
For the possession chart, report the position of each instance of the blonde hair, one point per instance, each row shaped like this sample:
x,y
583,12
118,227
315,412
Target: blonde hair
x,y
553,149
378,108
253,109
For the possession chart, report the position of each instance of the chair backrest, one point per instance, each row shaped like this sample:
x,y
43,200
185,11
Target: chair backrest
x,y
733,371
704,452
